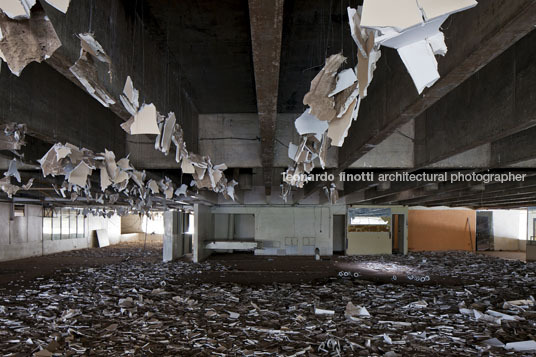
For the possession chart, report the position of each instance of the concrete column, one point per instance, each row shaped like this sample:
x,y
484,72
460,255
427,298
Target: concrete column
x,y
203,231
173,236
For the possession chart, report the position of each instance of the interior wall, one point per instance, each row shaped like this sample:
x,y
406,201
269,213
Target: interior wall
x,y
509,229
244,226
22,237
286,230
131,223
112,225
441,229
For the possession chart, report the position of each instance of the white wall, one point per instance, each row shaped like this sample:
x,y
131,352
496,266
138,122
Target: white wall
x,y
22,237
509,229
112,225
286,230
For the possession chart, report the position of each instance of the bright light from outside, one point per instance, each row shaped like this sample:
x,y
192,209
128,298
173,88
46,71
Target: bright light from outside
x,y
190,224
368,221
153,224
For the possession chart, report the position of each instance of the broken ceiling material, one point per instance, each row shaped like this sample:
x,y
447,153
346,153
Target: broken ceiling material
x,y
23,42
17,9
331,193
12,136
130,98
85,69
318,98
60,5
413,28
11,189
147,120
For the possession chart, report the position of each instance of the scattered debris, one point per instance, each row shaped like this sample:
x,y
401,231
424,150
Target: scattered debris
x,y
125,308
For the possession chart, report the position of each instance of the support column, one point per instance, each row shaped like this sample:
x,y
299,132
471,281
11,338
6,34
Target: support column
x,y
203,231
173,236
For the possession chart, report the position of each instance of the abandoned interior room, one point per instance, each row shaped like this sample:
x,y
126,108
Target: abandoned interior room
x,y
268,178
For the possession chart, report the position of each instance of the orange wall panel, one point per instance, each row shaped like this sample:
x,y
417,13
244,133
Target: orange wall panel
x,y
441,230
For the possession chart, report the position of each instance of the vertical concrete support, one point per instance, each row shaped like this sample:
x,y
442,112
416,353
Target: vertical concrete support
x,y
203,231
173,236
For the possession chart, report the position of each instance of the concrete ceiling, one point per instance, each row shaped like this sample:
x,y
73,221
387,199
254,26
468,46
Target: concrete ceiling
x,y
212,42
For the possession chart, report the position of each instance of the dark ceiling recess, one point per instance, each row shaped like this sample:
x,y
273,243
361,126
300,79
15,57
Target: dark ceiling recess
x,y
312,31
211,40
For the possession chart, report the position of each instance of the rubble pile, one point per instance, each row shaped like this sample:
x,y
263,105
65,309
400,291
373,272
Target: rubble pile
x,y
146,308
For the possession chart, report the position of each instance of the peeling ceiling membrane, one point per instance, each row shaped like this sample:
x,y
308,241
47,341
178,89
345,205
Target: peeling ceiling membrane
x,y
13,140
60,5
410,26
85,69
416,34
23,42
12,136
17,9
147,120
117,178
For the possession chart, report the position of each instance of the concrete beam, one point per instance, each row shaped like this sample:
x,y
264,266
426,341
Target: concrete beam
x,y
514,149
459,191
266,21
490,192
55,110
493,104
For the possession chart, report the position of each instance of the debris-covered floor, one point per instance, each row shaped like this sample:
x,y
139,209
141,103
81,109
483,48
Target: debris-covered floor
x,y
123,300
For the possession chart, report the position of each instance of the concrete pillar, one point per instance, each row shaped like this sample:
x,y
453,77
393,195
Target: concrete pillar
x,y
203,231
173,236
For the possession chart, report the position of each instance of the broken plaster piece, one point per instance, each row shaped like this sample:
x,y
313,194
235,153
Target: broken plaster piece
x,y
521,346
24,42
93,47
167,132
17,9
104,178
153,186
338,128
50,164
186,166
345,79
145,121
85,71
78,176
437,43
131,97
436,8
309,124
60,5
322,106
13,171
421,64
399,14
